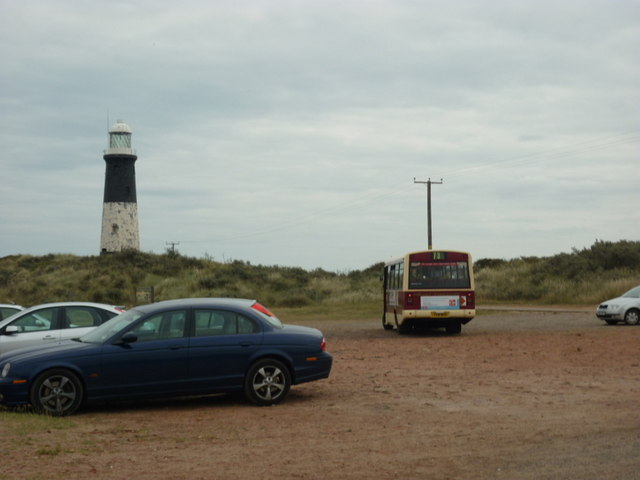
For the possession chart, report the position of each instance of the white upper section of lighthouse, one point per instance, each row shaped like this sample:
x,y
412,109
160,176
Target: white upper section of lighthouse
x,y
120,127
120,139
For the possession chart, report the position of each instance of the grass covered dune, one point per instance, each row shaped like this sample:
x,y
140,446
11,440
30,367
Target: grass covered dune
x,y
582,277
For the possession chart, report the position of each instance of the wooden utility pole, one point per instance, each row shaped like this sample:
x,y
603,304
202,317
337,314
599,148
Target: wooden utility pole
x,y
428,184
173,246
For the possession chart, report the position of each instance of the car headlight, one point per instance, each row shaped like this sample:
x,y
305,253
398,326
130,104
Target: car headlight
x,y
5,370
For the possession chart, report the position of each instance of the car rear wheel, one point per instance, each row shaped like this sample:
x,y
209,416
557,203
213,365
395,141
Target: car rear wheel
x,y
632,317
56,392
268,382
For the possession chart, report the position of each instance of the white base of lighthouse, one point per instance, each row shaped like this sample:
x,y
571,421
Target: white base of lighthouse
x,y
119,227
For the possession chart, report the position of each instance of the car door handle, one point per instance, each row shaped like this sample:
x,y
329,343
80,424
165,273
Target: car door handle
x,y
175,347
245,344
49,337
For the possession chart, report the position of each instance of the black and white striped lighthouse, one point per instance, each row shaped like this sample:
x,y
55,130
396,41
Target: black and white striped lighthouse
x,y
120,209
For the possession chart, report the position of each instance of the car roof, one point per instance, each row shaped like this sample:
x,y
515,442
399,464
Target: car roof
x,y
71,304
197,302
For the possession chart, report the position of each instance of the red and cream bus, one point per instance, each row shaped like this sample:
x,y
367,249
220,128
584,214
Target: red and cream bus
x,y
429,289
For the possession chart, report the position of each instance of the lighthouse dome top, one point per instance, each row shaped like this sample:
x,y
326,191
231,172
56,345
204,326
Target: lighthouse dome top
x,y
120,140
120,127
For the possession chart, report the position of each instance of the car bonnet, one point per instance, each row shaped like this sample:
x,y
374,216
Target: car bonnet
x,y
43,352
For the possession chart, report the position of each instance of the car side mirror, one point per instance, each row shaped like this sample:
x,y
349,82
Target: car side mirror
x,y
11,329
127,338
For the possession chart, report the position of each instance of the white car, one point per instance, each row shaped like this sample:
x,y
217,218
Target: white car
x,y
52,322
621,309
8,309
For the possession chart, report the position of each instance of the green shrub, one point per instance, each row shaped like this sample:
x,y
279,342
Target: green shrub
x,y
588,276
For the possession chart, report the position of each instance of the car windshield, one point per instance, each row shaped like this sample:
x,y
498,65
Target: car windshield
x,y
265,313
633,293
111,327
273,321
13,315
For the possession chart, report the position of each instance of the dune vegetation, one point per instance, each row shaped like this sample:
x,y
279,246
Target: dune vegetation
x,y
604,270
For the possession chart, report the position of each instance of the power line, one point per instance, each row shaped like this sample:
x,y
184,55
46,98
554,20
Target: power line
x,y
572,149
364,200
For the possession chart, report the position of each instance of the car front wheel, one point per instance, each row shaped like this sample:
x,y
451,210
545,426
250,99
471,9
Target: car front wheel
x,y
56,392
268,382
632,317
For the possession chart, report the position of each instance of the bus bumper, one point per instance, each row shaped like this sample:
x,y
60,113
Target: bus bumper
x,y
463,316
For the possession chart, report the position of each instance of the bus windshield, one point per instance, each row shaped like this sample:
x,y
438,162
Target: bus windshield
x,y
438,275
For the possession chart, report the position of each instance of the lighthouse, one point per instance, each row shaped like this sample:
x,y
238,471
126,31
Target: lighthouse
x,y
120,209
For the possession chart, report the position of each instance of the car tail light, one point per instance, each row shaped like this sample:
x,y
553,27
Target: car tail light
x,y
323,345
262,309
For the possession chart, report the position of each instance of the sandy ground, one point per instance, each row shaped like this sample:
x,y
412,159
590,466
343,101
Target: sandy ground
x,y
519,395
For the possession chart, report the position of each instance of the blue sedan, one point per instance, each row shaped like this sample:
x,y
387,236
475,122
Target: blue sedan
x,y
172,348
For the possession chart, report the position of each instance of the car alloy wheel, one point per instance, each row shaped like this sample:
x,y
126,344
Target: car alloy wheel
x,y
267,382
632,317
56,392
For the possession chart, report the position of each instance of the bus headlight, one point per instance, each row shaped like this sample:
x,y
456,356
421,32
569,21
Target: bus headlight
x,y
5,370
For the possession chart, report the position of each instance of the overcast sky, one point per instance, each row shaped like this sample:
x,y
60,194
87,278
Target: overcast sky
x,y
290,132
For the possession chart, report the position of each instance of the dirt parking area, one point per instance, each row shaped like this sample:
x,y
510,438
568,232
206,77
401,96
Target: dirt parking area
x,y
519,395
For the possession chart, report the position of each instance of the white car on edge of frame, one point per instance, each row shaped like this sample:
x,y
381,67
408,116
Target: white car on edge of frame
x,y
625,308
52,322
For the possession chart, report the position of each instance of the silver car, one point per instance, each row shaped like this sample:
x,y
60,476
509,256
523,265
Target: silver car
x,y
8,309
621,309
52,322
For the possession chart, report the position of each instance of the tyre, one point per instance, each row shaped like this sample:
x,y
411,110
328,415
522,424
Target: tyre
x,y
611,322
267,382
405,328
385,325
632,317
454,328
57,392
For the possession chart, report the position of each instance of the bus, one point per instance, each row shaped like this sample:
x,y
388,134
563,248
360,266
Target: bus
x,y
428,289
